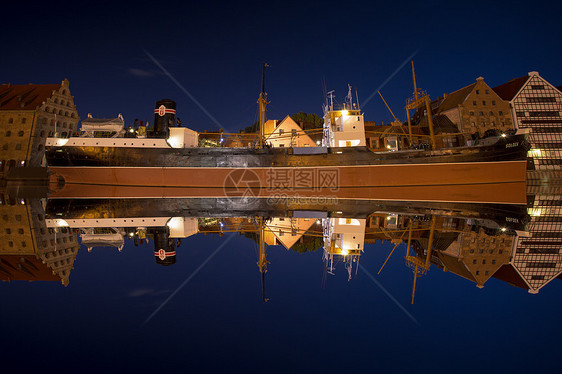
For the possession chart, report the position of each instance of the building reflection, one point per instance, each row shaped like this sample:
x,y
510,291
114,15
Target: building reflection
x,y
29,249
516,244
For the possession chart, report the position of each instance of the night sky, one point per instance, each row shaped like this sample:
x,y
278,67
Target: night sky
x,y
217,322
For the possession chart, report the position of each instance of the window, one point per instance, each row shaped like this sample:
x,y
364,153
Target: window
x,y
481,113
23,120
537,87
483,262
20,133
20,231
494,262
483,102
477,272
474,262
471,113
520,114
487,92
18,146
477,92
543,114
8,231
491,113
541,99
474,103
500,113
11,244
493,102
10,120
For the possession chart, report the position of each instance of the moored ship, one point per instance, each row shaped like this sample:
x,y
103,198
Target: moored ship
x,y
168,155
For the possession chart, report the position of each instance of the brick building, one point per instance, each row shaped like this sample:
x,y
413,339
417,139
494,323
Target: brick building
x,y
28,249
476,108
28,115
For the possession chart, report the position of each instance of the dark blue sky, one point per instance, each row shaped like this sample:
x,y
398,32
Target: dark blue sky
x,y
215,50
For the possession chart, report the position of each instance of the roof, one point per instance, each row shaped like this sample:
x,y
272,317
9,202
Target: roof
x,y
25,97
507,91
559,88
508,274
455,266
455,98
25,267
441,125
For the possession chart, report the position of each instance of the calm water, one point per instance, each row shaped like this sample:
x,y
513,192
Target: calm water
x,y
121,310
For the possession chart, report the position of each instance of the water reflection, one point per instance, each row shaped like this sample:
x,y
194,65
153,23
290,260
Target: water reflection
x,y
517,244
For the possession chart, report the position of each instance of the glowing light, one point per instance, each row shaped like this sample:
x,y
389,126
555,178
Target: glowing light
x,y
503,229
344,113
535,152
61,141
503,135
535,212
61,223
344,252
318,142
174,222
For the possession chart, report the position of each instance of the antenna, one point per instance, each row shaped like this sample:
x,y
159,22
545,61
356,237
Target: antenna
x,y
331,95
357,99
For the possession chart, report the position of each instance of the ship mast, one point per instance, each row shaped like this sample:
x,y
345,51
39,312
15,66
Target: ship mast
x,y
262,104
262,261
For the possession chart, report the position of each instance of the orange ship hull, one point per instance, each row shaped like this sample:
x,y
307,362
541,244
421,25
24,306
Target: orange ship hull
x,y
488,182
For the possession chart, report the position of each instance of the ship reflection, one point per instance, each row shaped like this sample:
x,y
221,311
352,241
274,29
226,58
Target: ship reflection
x,y
516,243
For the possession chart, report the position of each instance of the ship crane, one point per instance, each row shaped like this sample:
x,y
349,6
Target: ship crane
x,y
418,266
419,99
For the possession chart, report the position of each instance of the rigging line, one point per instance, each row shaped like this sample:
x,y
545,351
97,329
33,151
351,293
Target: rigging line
x,y
408,59
181,87
389,295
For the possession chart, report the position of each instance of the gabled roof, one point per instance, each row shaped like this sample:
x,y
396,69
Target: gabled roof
x,y
507,91
455,266
25,96
508,274
25,267
455,98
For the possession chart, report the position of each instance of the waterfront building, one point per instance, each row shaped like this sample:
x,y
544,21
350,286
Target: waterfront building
x,y
476,256
286,231
28,249
537,105
28,115
476,109
286,133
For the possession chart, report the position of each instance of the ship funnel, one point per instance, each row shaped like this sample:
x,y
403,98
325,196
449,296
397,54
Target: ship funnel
x,y
164,247
164,118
